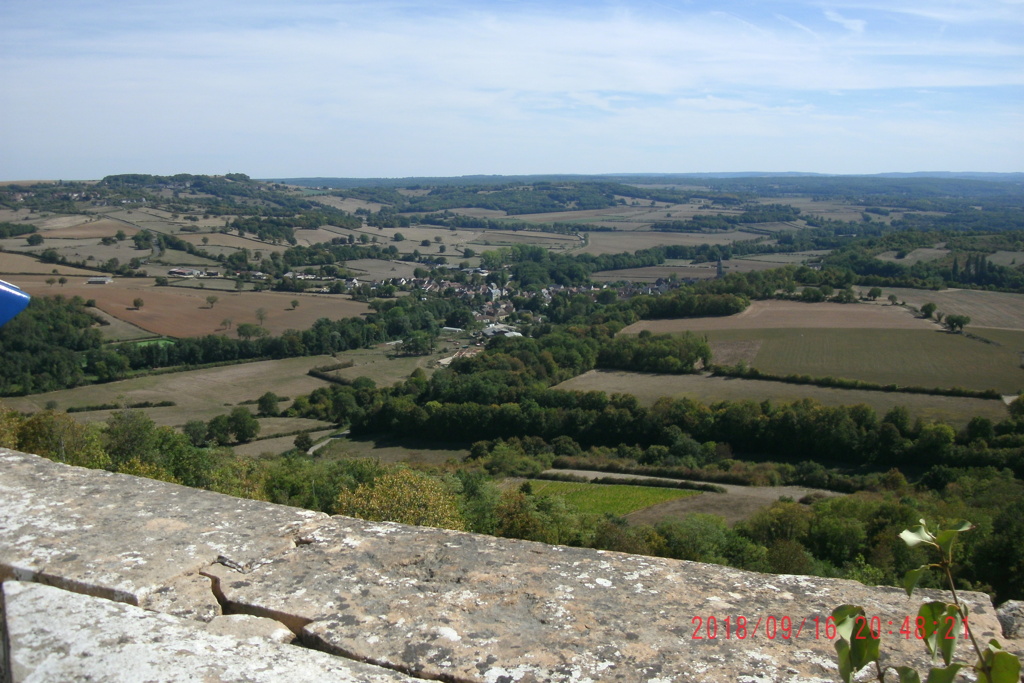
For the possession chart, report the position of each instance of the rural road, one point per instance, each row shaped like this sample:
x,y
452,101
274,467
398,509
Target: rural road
x,y
737,503
313,449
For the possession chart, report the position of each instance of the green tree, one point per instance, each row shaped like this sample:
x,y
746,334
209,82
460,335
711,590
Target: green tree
x,y
34,240
928,310
62,280
218,430
405,496
267,404
261,315
1016,407
129,434
295,304
874,293
138,303
195,432
248,331
303,442
211,300
60,437
243,425
956,322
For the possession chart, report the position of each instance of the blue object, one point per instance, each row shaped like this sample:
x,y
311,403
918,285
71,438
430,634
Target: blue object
x,y
12,301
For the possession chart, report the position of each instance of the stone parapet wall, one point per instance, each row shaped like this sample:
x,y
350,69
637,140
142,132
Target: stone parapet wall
x,y
382,601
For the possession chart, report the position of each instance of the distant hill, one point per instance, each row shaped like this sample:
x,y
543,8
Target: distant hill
x,y
668,178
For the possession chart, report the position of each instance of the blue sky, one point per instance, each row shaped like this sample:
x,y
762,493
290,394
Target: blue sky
x,y
391,88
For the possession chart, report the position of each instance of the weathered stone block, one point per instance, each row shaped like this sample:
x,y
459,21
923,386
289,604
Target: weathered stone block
x,y
442,604
125,538
55,635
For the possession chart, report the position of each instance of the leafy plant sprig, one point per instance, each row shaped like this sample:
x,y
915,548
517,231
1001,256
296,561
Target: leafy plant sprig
x,y
858,646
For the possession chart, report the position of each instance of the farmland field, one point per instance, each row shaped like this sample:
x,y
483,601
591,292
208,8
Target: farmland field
x,y
392,451
922,255
181,312
903,357
104,227
794,314
600,499
648,388
199,394
275,445
737,503
500,238
683,271
986,309
11,264
622,241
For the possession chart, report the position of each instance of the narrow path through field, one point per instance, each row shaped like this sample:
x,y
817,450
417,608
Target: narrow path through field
x,y
736,504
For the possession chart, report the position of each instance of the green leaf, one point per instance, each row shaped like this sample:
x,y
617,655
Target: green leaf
x,y
916,535
944,675
934,628
911,578
1005,668
907,675
864,649
846,670
844,616
949,633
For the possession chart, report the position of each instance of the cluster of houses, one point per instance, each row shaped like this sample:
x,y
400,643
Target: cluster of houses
x,y
192,272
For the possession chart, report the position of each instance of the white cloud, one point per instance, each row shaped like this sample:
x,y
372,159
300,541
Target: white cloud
x,y
477,87
852,25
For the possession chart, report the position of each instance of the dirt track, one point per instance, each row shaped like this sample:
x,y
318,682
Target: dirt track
x,y
738,503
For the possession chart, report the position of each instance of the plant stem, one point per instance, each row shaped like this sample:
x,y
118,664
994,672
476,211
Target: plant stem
x,y
960,609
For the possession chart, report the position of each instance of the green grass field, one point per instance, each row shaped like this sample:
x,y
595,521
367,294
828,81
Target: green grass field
x,y
607,498
905,357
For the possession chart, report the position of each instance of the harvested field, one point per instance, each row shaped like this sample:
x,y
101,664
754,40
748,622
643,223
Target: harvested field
x,y
794,314
704,271
986,309
497,238
346,204
648,388
181,312
480,213
619,242
104,227
793,259
117,330
1007,258
922,255
230,240
377,269
60,221
383,367
14,264
199,394
832,209
79,250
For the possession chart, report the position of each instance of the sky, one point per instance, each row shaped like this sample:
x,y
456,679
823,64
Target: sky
x,y
387,88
